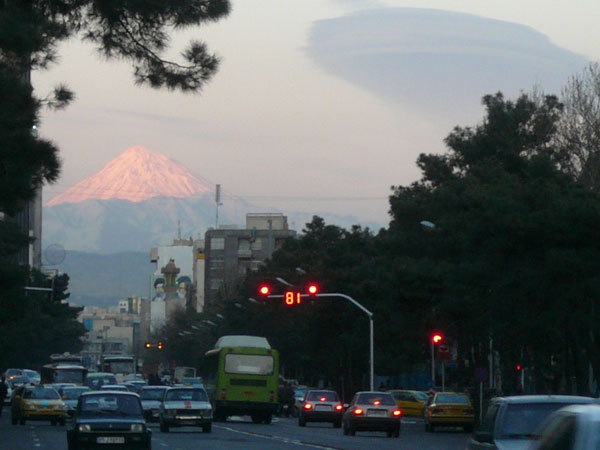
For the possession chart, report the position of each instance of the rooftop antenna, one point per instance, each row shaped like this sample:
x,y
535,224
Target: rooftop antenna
x,y
218,203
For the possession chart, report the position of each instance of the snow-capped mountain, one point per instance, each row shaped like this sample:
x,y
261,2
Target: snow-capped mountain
x,y
137,174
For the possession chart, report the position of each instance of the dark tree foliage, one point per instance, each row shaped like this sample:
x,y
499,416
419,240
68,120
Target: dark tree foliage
x,y
514,245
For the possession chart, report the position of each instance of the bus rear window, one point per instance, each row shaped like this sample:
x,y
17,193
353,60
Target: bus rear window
x,y
249,364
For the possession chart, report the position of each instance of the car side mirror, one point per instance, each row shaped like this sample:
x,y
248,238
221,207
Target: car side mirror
x,y
484,436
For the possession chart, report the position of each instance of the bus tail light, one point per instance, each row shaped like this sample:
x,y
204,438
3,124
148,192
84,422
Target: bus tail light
x,y
223,394
272,396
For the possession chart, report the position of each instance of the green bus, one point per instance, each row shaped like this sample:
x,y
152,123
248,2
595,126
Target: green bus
x,y
241,376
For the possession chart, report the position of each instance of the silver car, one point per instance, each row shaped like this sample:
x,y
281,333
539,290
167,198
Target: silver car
x,y
70,395
572,427
185,406
151,397
513,422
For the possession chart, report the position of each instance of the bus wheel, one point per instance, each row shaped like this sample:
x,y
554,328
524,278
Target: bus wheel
x,y
267,419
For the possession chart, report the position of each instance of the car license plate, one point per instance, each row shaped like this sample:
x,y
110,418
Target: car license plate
x,y
110,440
376,412
322,408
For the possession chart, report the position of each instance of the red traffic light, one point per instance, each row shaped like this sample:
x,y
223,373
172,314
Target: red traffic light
x,y
264,289
518,367
159,345
313,289
436,338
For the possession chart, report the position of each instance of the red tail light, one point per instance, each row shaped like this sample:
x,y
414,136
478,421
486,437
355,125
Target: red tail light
x,y
308,406
322,399
339,407
377,403
396,413
223,394
272,396
358,411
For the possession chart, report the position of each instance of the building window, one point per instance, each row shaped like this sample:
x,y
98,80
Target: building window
x,y
256,244
216,283
217,244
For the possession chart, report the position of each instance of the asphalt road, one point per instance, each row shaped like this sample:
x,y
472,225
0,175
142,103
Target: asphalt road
x,y
240,433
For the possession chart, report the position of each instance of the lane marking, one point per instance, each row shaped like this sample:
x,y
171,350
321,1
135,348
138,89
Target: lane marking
x,y
278,438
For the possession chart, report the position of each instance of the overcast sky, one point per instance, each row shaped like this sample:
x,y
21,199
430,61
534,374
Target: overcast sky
x,y
274,126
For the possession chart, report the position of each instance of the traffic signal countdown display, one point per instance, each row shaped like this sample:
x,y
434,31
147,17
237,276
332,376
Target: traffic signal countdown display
x,y
290,297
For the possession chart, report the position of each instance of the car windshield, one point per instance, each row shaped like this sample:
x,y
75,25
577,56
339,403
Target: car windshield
x,y
521,421
152,394
422,396
323,396
73,393
41,394
95,381
378,398
110,405
198,395
452,398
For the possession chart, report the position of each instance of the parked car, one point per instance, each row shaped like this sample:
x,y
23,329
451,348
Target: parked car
x,y
185,406
450,409
151,397
571,428
70,395
108,419
372,411
409,403
321,406
37,403
513,422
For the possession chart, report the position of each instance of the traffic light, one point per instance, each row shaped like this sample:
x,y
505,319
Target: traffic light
x,y
148,345
264,289
518,367
313,289
436,338
159,345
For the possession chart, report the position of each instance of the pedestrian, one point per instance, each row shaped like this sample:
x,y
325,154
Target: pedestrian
x,y
3,392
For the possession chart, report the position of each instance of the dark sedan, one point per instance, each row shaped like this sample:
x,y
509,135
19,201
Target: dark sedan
x,y
109,419
321,406
372,411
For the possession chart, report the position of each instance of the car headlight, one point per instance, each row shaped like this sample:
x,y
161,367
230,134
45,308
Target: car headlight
x,y
137,428
85,427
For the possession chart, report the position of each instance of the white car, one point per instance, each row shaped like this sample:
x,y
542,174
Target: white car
x,y
151,397
573,427
33,376
185,406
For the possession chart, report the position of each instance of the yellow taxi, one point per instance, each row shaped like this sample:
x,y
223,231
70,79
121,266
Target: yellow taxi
x,y
450,409
37,403
408,402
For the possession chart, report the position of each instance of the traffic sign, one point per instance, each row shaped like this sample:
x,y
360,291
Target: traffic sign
x,y
443,353
481,374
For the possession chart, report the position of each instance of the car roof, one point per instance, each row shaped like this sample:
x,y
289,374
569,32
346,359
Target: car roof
x,y
183,387
67,388
522,399
592,411
321,390
374,392
146,388
100,374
